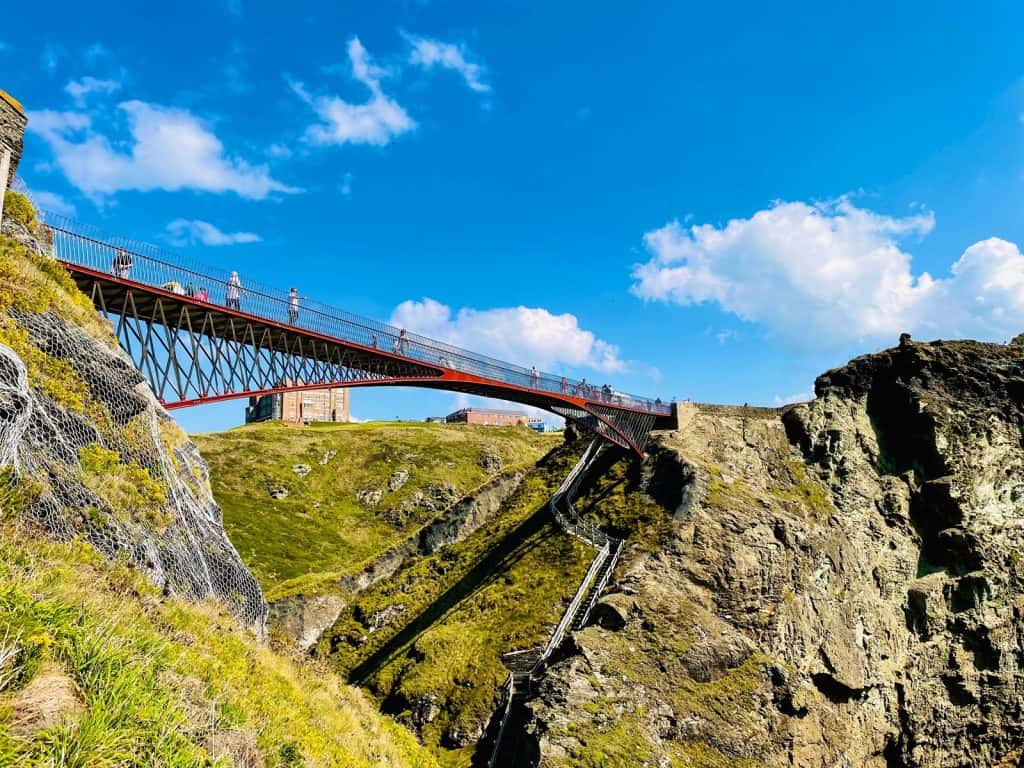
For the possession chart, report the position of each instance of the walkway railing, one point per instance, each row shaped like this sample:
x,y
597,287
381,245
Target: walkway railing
x,y
90,248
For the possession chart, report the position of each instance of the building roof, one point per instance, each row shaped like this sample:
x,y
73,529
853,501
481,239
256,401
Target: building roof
x,y
488,412
13,102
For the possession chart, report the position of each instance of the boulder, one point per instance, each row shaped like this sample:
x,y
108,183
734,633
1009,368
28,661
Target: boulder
x,y
369,496
613,611
398,478
490,461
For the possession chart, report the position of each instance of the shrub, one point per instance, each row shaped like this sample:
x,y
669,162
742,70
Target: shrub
x,y
19,208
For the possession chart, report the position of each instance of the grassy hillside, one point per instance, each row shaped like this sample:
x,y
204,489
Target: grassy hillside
x,y
436,662
321,529
97,670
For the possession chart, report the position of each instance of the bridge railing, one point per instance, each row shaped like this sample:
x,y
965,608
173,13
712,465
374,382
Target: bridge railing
x,y
88,247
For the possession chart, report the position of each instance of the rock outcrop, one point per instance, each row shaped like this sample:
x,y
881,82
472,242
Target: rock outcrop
x,y
301,619
843,588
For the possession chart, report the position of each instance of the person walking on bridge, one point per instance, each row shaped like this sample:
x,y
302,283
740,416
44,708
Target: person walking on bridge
x,y
534,377
293,305
122,265
234,292
402,343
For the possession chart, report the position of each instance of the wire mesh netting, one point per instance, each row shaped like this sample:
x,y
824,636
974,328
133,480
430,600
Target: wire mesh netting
x,y
87,453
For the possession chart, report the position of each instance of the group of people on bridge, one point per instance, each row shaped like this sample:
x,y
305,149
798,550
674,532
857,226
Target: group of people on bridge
x,y
233,291
604,393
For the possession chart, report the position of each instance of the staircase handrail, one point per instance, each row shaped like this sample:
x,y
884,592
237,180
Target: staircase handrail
x,y
510,689
559,634
598,589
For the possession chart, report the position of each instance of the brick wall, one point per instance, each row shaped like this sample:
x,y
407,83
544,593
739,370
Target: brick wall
x,y
12,128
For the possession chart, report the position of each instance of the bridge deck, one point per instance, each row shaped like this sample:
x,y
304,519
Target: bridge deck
x,y
216,349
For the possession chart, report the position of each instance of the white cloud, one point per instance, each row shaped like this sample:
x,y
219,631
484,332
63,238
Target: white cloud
x,y
170,149
279,151
184,232
376,121
79,89
726,334
833,273
523,335
428,53
53,203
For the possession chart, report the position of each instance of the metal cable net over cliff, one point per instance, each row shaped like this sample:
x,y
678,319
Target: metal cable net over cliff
x,y
199,334
87,453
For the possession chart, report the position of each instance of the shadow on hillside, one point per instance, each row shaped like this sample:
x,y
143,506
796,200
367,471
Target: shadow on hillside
x,y
503,556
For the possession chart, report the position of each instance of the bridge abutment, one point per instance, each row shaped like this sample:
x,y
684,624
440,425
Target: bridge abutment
x,y
683,413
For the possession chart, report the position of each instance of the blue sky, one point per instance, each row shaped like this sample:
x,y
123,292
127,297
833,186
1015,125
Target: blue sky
x,y
681,200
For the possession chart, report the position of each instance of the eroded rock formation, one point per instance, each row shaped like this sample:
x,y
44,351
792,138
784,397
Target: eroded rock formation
x,y
843,587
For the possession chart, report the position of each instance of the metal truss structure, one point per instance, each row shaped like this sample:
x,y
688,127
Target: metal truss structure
x,y
193,348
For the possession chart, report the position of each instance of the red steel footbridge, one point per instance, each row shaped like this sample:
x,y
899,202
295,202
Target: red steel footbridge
x,y
201,335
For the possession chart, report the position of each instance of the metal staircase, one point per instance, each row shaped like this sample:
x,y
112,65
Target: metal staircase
x,y
527,665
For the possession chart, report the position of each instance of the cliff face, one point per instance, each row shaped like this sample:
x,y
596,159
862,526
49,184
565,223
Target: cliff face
x,y
85,449
842,588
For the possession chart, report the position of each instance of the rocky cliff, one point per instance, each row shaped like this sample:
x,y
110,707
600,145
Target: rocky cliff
x,y
842,587
85,449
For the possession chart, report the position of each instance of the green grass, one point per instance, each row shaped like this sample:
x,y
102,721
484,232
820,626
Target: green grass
x,y
161,680
620,744
320,531
503,588
33,284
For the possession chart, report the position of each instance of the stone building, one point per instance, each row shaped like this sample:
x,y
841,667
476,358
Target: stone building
x,y
492,417
12,131
330,404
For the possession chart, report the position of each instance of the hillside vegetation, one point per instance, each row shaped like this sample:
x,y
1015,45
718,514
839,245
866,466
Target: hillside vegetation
x,y
97,669
322,530
426,640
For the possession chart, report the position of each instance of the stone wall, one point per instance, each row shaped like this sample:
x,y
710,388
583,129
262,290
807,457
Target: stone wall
x,y
683,413
12,129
